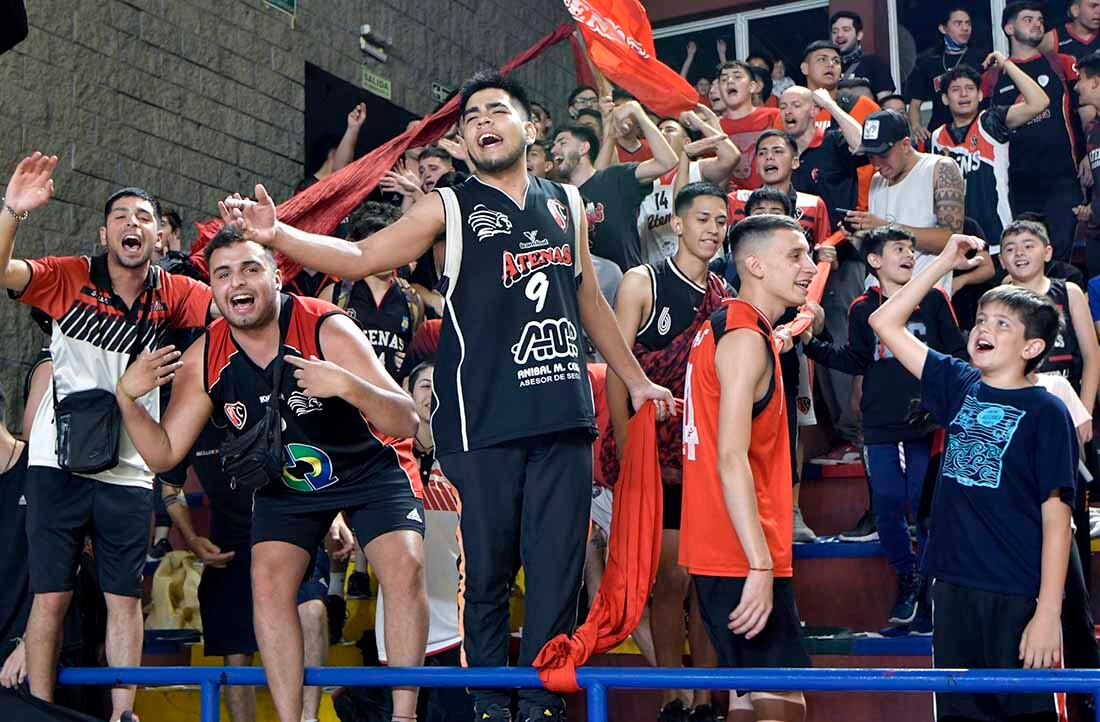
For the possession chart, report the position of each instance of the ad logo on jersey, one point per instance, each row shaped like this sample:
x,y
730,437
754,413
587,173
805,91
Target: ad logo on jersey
x,y
236,413
307,468
302,404
594,213
545,340
488,223
518,266
557,210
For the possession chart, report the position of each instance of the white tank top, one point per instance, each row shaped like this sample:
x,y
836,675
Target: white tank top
x,y
910,203
659,241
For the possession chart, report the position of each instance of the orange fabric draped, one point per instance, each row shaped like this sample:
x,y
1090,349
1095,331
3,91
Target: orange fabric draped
x,y
633,553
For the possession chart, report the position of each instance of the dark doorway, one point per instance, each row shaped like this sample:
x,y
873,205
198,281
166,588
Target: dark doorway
x,y
328,102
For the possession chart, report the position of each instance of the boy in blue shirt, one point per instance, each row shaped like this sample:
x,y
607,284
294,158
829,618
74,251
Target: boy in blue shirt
x,y
1000,528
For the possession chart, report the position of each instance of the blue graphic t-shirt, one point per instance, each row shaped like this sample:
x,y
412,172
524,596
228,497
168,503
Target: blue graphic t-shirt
x,y
1006,451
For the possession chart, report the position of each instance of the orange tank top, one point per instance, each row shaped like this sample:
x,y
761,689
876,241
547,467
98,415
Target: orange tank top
x,y
708,541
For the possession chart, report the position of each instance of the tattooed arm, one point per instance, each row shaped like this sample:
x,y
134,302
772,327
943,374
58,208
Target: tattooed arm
x,y
948,205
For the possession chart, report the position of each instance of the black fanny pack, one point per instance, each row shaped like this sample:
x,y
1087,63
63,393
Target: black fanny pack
x,y
253,459
89,422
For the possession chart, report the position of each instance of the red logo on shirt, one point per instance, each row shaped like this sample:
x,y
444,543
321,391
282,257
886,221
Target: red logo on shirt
x,y
237,414
557,210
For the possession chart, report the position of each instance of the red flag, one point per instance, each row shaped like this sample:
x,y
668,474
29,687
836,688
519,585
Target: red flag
x,y
321,207
633,553
620,43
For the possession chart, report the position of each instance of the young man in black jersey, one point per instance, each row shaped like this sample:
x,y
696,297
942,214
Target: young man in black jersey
x,y
345,443
979,139
659,308
1043,154
387,308
926,82
1081,35
512,393
1088,93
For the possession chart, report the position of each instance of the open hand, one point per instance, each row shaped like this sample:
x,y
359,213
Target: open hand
x,y
751,614
209,552
150,370
255,219
31,184
1041,642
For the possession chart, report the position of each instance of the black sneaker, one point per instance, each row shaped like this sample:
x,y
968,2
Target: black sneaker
x,y
905,608
158,550
674,711
865,530
337,610
358,585
545,714
492,713
703,713
921,626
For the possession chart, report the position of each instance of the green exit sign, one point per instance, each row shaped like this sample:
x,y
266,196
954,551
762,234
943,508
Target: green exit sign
x,y
374,83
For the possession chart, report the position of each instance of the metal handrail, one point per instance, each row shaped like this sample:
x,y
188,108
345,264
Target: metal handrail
x,y
596,681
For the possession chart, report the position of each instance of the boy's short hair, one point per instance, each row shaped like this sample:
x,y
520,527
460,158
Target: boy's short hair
x,y
230,235
766,195
173,217
584,134
434,151
776,133
692,191
135,192
857,21
1038,314
618,94
590,111
958,72
1019,227
494,80
856,82
820,45
1089,65
736,64
751,229
370,218
875,240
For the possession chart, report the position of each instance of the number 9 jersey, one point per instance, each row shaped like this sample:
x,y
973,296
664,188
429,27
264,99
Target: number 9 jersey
x,y
511,361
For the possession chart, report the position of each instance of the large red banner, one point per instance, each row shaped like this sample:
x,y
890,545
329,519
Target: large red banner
x,y
620,44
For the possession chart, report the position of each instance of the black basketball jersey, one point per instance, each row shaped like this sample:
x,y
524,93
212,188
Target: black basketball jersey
x,y
1064,358
388,326
676,300
511,361
331,452
1073,45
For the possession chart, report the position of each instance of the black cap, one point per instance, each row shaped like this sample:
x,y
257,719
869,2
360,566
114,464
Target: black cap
x,y
881,130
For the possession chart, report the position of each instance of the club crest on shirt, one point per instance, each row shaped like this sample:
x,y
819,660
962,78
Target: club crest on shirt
x,y
557,210
487,223
237,414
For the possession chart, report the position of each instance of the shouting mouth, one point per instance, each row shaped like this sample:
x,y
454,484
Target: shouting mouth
x,y
489,140
242,303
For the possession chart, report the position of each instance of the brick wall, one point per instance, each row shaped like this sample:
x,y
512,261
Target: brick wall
x,y
193,99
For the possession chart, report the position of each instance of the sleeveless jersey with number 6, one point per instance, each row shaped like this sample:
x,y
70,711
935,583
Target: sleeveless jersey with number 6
x,y
511,358
708,542
333,457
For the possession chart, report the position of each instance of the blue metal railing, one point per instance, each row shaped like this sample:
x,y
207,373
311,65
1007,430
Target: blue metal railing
x,y
596,681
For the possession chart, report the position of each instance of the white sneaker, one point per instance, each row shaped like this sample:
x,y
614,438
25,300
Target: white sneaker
x,y
802,533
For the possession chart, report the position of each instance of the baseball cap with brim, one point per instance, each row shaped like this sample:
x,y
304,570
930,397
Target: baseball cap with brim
x,y
881,130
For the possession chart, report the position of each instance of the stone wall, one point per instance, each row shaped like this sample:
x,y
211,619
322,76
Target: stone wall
x,y
193,99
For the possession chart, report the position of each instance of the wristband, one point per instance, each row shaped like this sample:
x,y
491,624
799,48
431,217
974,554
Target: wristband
x,y
19,217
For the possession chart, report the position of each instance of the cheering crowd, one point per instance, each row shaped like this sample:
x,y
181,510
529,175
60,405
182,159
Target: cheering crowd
x,y
444,390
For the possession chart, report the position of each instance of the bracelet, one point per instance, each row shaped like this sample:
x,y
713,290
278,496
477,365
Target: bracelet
x,y
19,217
761,569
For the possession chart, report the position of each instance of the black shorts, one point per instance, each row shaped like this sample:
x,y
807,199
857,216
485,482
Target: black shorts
x,y
225,602
779,644
62,508
673,505
387,507
792,432
975,629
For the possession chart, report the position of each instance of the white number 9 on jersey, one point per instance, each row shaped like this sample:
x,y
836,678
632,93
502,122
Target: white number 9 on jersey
x,y
536,290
